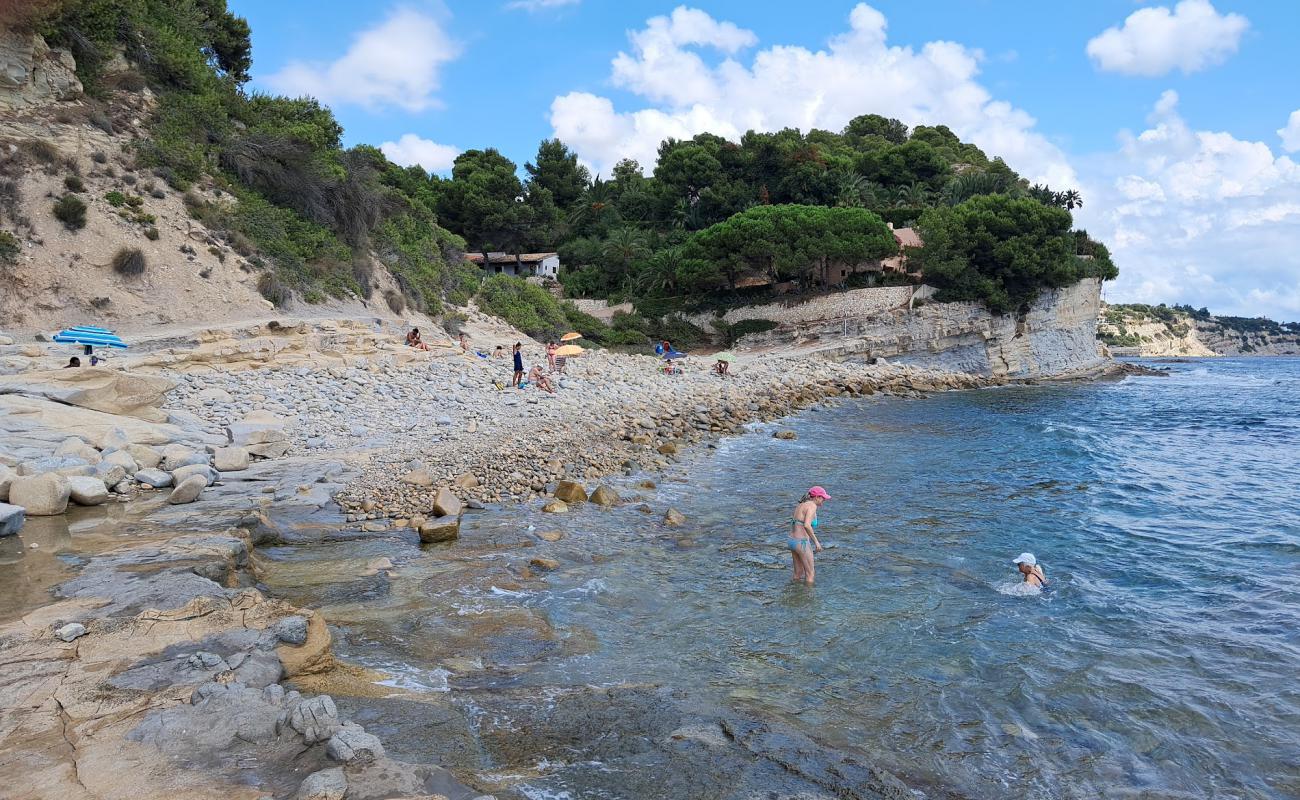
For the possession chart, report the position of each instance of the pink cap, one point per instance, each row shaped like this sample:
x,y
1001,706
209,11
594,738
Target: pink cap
x,y
818,491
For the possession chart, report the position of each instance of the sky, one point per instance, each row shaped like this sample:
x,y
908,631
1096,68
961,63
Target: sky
x,y
1178,120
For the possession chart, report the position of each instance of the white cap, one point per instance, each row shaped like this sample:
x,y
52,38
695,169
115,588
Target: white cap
x,y
1025,558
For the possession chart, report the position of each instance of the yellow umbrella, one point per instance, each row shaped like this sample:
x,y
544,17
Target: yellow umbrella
x,y
569,350
568,337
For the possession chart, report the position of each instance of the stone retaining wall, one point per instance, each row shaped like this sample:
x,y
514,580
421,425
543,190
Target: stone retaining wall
x,y
838,306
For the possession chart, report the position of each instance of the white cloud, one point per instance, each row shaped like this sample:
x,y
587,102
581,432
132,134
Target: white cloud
x,y
1291,133
1199,217
395,63
1156,41
540,5
790,86
411,149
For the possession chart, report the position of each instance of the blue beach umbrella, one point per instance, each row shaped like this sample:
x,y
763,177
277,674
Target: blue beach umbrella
x,y
90,336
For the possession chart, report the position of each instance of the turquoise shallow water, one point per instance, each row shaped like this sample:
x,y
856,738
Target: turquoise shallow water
x,y
1162,664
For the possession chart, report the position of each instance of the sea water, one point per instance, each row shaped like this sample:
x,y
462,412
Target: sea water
x,y
1165,657
1161,663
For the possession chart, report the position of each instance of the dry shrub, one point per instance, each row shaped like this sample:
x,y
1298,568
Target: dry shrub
x,y
272,289
11,198
41,151
363,270
74,183
151,233
99,157
71,211
100,120
396,303
129,262
241,244
127,80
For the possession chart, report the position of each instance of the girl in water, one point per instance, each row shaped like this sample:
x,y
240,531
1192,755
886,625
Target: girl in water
x,y
1028,566
803,534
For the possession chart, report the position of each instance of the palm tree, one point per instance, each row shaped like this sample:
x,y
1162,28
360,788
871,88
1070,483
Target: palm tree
x,y
1071,199
914,194
659,272
597,200
624,247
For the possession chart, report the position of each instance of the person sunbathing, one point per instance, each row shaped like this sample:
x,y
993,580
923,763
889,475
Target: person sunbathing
x,y
413,340
539,379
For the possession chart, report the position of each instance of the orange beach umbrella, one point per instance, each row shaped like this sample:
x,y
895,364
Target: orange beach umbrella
x,y
568,337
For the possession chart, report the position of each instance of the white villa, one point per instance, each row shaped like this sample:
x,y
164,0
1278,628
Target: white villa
x,y
542,265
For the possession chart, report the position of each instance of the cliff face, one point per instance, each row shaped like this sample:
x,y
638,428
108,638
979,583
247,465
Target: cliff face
x,y
1056,338
1224,340
1160,331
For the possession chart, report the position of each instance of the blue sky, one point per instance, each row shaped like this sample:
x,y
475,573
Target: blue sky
x,y
1171,117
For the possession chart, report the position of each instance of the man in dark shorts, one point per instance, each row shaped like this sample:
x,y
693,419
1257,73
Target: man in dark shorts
x,y
519,365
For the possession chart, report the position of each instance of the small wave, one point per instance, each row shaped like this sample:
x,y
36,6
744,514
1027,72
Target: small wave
x,y
1019,589
538,793
420,680
497,591
591,587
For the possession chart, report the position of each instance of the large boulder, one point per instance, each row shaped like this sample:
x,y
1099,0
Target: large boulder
x,y
59,464
77,447
11,519
145,456
257,427
154,477
674,518
87,491
208,474
604,496
352,745
418,477
7,476
230,459
446,504
97,388
440,530
316,719
110,474
41,495
570,492
328,784
314,655
188,491
184,458
123,459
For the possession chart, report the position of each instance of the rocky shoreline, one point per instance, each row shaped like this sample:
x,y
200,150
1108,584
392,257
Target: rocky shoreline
x,y
162,670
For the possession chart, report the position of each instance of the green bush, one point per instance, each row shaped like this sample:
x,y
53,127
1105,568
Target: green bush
x,y
9,247
529,308
678,330
591,328
129,262
733,332
115,199
73,183
71,211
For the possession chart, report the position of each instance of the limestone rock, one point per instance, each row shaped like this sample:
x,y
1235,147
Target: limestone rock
x,y
77,447
32,74
547,564
7,476
570,492
674,518
550,536
154,477
466,481
668,449
11,519
787,435
269,449
556,507
418,477
145,456
122,459
352,745
97,388
328,784
71,631
446,504
41,495
316,719
188,490
174,461
441,530
259,670
292,630
230,459
257,427
87,491
110,474
207,473
313,655
604,496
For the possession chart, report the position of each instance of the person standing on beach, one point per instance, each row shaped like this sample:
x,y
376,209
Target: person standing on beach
x,y
803,535
551,347
519,365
